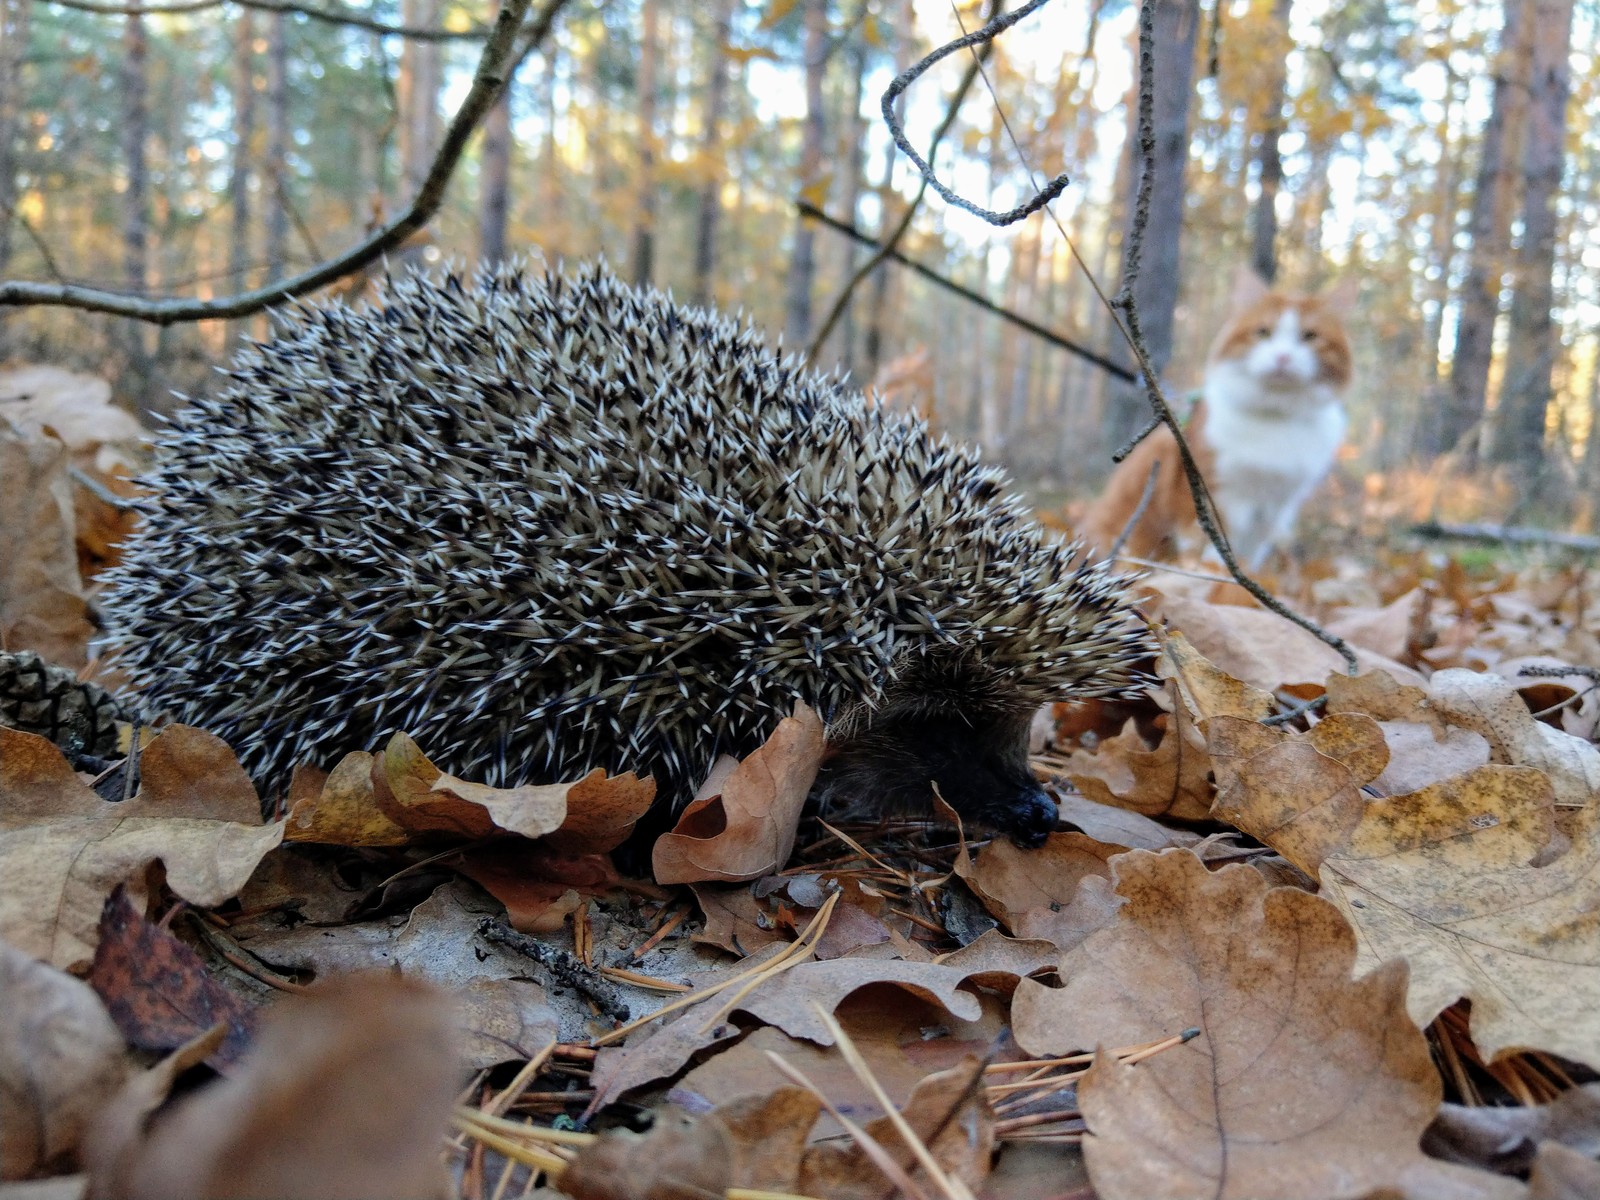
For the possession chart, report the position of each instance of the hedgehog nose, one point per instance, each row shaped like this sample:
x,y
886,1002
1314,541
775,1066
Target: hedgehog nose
x,y
1035,817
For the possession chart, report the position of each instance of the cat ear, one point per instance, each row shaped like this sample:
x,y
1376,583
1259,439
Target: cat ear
x,y
1248,288
1340,299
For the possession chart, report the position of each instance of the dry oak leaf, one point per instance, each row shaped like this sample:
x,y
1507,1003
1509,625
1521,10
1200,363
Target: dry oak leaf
x,y
62,848
347,1093
1490,705
41,597
1044,893
423,799
1298,793
1172,780
743,824
1304,1082
1204,688
61,1060
1441,878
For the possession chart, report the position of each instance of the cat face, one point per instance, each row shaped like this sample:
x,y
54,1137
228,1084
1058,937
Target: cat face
x,y
1285,343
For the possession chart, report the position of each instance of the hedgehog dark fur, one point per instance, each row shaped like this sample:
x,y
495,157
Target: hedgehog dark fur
x,y
548,524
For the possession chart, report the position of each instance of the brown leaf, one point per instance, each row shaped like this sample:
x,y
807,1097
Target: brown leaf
x,y
347,1094
1204,688
62,850
1173,780
748,828
1110,823
947,1111
426,800
1441,878
1303,1082
1036,892
1298,793
735,920
344,811
531,877
157,990
61,1060
753,1142
41,597
187,772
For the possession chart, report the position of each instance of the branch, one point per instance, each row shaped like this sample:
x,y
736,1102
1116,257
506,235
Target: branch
x,y
886,249
1125,307
1508,535
334,16
984,36
807,209
501,56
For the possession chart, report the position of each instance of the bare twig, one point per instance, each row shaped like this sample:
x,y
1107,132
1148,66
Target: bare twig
x,y
1138,510
335,15
501,56
887,248
906,78
811,211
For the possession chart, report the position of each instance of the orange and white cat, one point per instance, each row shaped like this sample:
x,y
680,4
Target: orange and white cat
x,y
1269,423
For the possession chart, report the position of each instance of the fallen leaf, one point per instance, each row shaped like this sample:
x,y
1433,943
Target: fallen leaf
x,y
1489,705
1303,1081
948,1112
41,597
1298,793
752,1143
533,880
62,850
1441,878
1036,893
157,990
748,828
1113,823
1418,757
1204,689
426,800
61,1061
1173,780
344,811
347,1093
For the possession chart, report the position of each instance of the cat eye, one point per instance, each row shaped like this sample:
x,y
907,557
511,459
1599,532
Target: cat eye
x,y
1263,333
1309,335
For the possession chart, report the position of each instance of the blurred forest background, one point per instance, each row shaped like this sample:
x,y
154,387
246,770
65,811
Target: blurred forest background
x,y
1445,152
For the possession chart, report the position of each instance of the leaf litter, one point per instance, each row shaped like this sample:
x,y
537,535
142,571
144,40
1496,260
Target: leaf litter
x,y
1256,959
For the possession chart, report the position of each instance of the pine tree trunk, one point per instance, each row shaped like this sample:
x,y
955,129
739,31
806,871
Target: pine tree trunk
x,y
494,180
1526,390
136,200
709,208
1156,291
276,244
802,264
13,53
1269,160
853,154
244,131
417,96
1489,227
644,217
877,308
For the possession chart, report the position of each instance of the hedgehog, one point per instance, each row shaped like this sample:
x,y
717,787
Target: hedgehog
x,y
547,523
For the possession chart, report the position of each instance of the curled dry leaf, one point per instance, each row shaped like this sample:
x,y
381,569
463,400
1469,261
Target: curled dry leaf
x,y
347,1094
41,598
748,827
1441,878
424,799
61,1060
62,849
1298,793
1489,705
1304,1082
1173,780
1041,893
753,1142
1204,688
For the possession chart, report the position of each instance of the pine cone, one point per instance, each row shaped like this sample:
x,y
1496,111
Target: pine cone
x,y
40,697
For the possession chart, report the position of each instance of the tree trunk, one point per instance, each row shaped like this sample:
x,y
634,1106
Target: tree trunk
x,y
244,131
1526,391
853,154
1156,291
136,199
277,156
13,53
494,180
709,209
417,96
1489,228
877,308
644,217
803,265
1269,160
